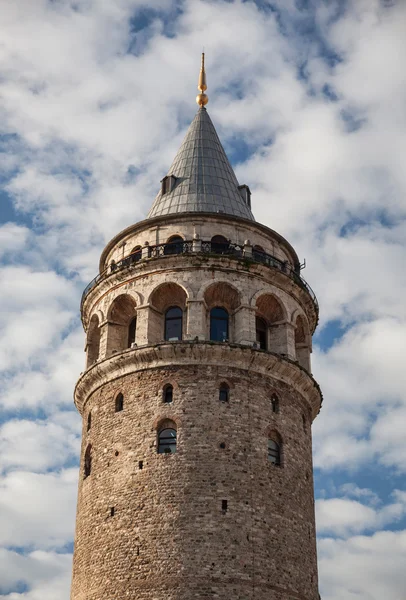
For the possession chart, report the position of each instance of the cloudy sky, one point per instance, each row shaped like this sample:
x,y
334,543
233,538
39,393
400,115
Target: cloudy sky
x,y
309,99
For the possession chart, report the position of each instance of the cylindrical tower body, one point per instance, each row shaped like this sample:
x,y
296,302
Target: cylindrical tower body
x,y
197,402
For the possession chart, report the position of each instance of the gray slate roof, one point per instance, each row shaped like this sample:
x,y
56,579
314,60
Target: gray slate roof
x,y
205,179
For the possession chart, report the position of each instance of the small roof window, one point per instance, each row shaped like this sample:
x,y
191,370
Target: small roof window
x,y
167,184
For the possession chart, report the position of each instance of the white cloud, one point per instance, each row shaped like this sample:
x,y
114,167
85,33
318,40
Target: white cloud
x,y
363,567
37,510
47,575
344,517
38,445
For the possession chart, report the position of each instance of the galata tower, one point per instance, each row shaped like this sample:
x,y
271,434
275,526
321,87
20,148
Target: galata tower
x,y
197,401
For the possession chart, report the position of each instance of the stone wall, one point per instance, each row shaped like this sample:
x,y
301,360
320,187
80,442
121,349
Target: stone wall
x,y
169,537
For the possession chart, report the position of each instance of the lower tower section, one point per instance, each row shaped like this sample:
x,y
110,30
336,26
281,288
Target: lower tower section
x,y
196,476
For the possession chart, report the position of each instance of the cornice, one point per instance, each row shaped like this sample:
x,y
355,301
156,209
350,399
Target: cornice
x,y
184,353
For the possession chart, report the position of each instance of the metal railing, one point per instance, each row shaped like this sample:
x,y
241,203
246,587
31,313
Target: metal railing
x,y
200,247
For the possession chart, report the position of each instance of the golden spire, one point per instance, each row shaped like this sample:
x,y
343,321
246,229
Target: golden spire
x,y
202,99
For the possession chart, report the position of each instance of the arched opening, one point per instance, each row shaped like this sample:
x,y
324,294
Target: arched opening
x,y
93,341
261,332
121,324
167,395
275,403
132,328
136,254
173,324
219,244
275,448
222,300
224,392
165,317
271,311
174,245
302,343
167,437
219,321
87,469
119,403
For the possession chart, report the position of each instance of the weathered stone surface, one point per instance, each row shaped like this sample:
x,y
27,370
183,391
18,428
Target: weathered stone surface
x,y
169,537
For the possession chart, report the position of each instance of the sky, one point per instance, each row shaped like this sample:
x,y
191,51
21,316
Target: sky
x,y
309,100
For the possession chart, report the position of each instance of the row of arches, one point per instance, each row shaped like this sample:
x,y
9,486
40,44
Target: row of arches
x,y
219,316
167,437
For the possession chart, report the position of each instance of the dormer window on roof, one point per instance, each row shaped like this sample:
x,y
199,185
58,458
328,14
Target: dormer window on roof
x,y
167,184
245,194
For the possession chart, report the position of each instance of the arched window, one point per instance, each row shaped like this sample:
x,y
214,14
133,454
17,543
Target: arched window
x,y
131,331
261,333
275,404
119,405
224,393
173,323
219,244
167,439
274,452
136,254
89,421
174,245
168,394
93,341
219,324
88,461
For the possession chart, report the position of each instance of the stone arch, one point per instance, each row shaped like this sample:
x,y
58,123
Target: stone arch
x,y
222,293
93,341
302,341
120,316
136,253
174,244
164,297
270,310
168,294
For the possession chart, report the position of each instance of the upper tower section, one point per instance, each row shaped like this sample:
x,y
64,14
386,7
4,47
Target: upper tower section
x,y
201,178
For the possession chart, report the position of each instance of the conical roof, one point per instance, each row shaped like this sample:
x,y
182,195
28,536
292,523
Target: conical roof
x,y
205,180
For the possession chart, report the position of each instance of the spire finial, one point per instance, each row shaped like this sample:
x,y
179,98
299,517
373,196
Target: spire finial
x,y
202,99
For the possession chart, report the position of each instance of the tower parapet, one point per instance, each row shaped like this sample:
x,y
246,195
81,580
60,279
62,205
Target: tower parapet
x,y
197,400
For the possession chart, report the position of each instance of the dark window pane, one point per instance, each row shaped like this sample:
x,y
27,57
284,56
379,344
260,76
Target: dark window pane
x,y
173,323
274,452
261,333
218,324
223,393
131,331
168,394
174,246
167,441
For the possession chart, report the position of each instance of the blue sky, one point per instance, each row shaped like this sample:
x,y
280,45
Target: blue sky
x,y
309,99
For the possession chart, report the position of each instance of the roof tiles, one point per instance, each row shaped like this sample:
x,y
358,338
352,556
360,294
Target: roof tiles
x,y
205,180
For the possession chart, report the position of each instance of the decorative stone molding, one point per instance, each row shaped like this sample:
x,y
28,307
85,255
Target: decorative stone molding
x,y
197,352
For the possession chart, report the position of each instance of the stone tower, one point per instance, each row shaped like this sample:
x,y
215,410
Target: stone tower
x,y
197,400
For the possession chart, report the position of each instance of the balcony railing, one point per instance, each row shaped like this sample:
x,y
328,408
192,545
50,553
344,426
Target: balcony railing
x,y
199,247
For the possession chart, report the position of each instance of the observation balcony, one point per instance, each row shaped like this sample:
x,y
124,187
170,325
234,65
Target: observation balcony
x,y
240,252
